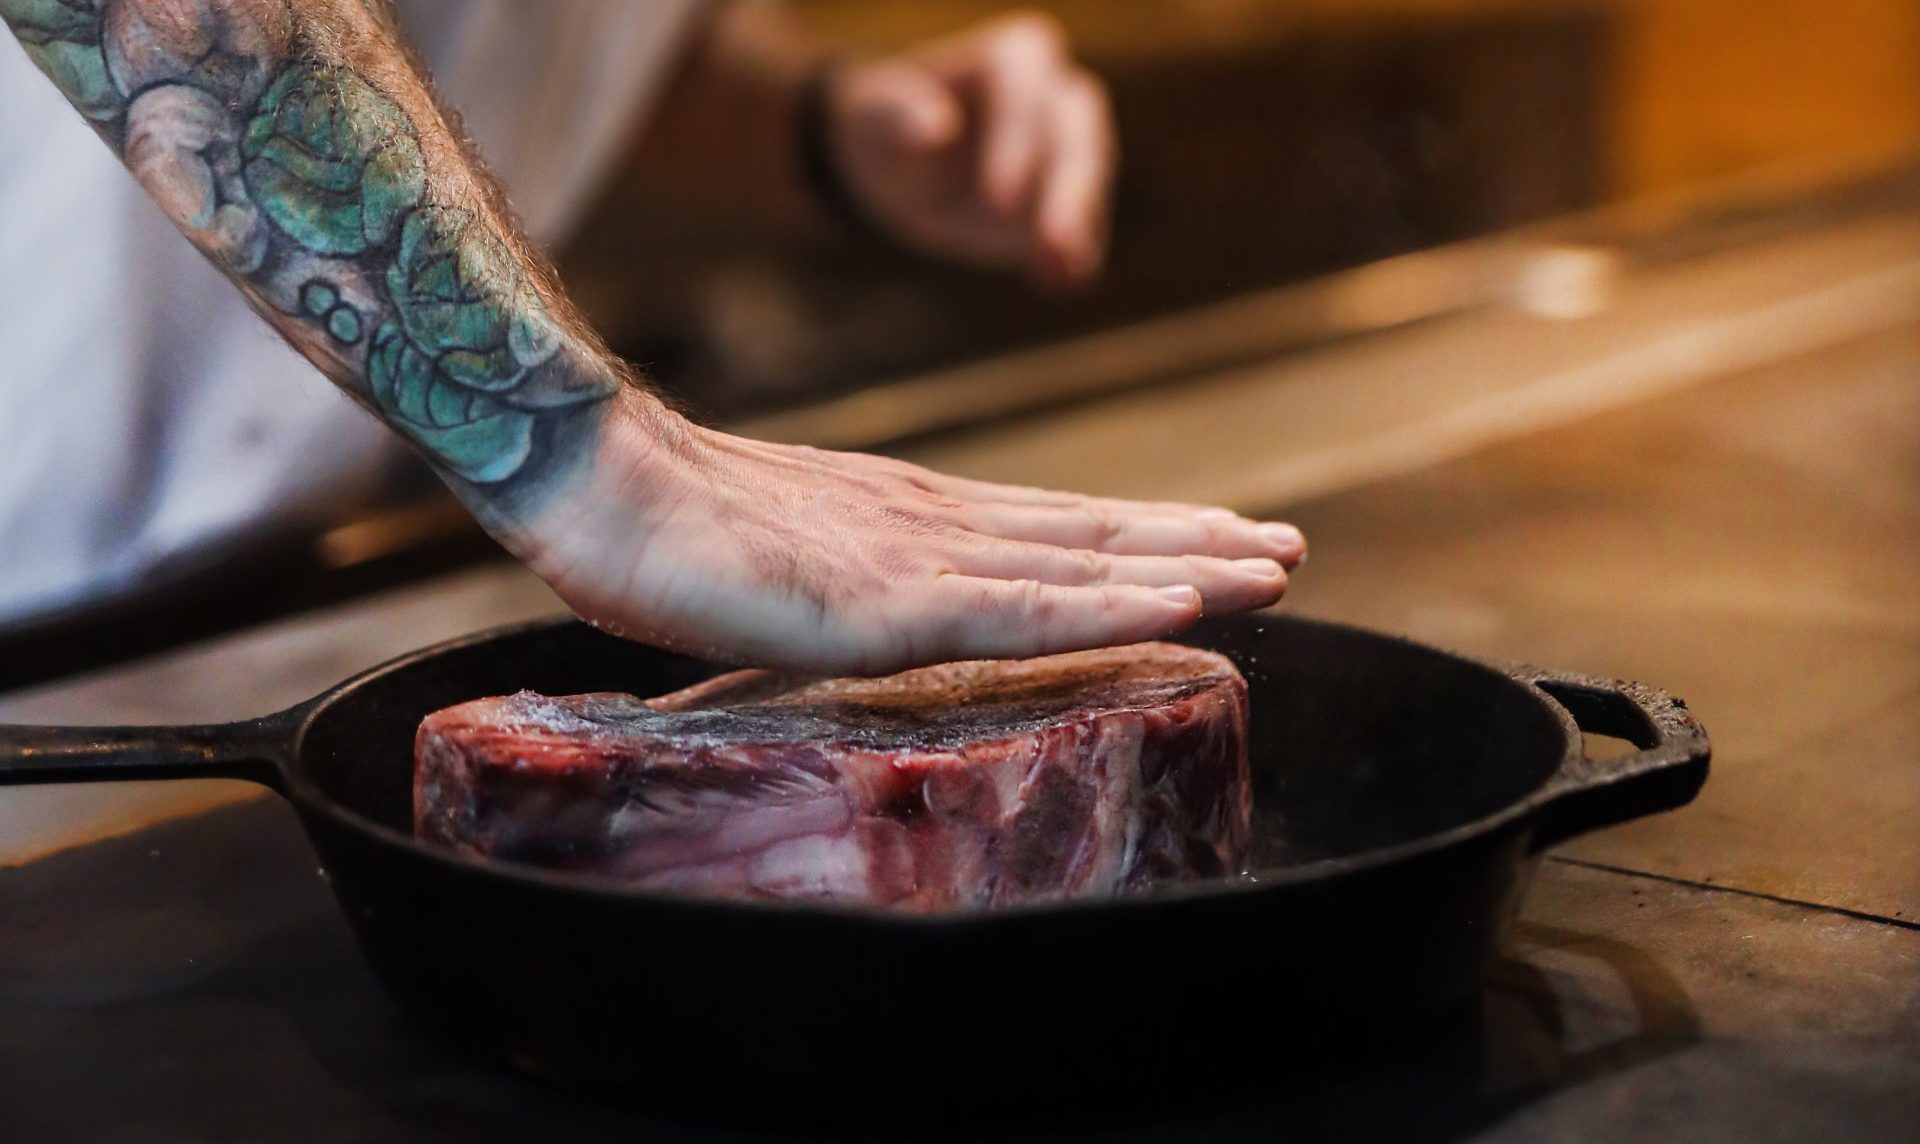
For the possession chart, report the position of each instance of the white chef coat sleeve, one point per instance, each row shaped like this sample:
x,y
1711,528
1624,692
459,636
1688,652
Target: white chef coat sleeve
x,y
146,414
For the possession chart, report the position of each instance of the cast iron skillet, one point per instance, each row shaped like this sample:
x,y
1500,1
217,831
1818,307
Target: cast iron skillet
x,y
1400,793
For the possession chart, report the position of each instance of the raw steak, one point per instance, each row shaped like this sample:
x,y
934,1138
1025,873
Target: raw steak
x,y
969,784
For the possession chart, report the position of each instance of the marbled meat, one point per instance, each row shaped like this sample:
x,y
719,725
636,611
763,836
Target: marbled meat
x,y
964,785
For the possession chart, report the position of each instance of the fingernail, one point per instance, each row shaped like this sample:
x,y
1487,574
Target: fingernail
x,y
1185,595
1283,535
1260,566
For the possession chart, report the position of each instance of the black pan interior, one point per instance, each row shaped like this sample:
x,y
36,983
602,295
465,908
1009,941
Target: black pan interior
x,y
1361,740
1358,740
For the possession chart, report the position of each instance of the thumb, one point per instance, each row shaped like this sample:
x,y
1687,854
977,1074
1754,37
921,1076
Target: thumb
x,y
902,108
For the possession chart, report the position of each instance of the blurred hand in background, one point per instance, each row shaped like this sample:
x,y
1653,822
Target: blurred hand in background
x,y
990,148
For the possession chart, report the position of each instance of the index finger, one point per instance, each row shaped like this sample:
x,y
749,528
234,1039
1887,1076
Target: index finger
x,y
1015,71
1070,221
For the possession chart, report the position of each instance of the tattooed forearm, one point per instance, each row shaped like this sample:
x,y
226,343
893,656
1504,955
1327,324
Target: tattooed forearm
x,y
294,144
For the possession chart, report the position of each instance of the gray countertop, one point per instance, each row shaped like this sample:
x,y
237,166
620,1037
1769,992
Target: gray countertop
x,y
1746,968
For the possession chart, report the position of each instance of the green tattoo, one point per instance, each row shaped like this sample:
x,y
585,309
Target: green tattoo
x,y
461,297
312,187
63,39
332,161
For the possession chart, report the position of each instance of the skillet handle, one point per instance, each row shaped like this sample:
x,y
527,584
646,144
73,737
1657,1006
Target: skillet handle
x,y
251,750
1666,772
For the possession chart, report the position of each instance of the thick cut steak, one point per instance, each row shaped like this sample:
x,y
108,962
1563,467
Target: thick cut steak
x,y
970,784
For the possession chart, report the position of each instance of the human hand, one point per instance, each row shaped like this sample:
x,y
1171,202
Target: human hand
x,y
991,148
843,563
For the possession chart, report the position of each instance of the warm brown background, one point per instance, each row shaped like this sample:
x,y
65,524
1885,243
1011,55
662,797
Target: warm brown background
x,y
1267,142
1702,88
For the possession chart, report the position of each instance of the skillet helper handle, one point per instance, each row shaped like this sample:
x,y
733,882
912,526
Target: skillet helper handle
x,y
247,750
1665,772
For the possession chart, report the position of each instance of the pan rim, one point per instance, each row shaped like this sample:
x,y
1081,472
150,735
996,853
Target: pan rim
x,y
309,799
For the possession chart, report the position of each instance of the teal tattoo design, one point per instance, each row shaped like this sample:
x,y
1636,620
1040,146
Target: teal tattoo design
x,y
331,161
455,368
62,37
311,186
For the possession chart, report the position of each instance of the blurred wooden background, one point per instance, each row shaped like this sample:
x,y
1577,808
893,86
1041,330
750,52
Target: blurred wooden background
x,y
1699,88
1267,142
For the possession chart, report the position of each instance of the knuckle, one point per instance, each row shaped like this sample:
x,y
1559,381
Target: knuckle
x,y
913,486
969,519
906,470
1207,570
885,466
1103,528
1090,565
947,530
1032,599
